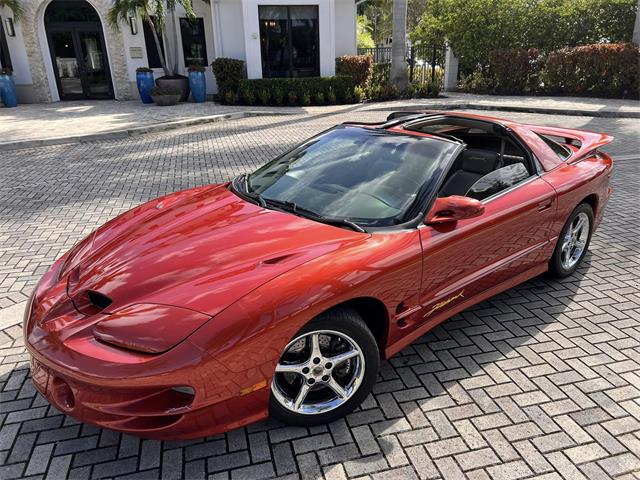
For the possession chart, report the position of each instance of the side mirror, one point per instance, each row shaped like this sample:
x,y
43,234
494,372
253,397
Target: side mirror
x,y
452,209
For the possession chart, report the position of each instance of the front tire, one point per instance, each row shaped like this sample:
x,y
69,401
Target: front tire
x,y
573,242
326,371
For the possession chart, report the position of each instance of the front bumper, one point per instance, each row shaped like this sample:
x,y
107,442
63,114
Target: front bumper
x,y
152,412
182,393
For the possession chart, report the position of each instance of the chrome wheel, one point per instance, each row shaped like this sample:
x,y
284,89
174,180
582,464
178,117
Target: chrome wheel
x,y
575,241
318,372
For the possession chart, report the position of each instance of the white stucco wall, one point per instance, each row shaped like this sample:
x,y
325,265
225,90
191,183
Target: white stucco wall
x,y
19,60
345,27
228,27
326,24
202,10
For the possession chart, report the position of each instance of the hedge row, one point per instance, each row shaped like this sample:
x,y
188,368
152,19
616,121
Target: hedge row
x,y
295,91
358,67
599,70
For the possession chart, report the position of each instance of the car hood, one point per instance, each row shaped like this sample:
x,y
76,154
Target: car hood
x,y
201,249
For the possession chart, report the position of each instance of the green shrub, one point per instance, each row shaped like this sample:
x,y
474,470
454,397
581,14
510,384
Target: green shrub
x,y
476,82
278,95
358,67
381,73
247,94
510,69
601,70
358,94
263,96
228,72
229,97
299,91
331,96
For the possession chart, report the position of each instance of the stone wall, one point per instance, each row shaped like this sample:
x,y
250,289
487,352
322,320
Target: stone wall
x,y
30,23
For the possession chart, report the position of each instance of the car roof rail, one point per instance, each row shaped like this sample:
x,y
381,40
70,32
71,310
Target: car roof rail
x,y
393,120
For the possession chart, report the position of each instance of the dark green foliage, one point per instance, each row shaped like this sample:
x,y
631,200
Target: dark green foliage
x,y
297,91
600,70
229,72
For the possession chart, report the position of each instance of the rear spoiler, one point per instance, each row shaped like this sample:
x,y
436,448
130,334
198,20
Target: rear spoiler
x,y
587,142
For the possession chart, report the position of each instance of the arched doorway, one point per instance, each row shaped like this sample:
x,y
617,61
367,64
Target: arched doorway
x,y
78,51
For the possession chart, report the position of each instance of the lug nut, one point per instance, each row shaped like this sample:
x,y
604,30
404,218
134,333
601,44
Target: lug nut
x,y
316,360
305,370
325,378
328,365
311,381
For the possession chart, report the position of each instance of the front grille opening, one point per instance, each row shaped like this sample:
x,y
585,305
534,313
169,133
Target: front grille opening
x,y
98,300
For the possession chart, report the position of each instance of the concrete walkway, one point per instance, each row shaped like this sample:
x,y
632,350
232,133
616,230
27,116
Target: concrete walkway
x,y
78,121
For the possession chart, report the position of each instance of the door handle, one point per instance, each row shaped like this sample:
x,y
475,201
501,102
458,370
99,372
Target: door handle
x,y
544,205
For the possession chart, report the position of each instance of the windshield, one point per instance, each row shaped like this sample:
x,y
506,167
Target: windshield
x,y
369,176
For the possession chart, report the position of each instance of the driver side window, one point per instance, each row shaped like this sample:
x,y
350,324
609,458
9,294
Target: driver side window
x,y
480,174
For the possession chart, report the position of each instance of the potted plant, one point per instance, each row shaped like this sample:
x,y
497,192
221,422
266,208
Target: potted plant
x,y
197,83
163,10
165,96
8,93
145,82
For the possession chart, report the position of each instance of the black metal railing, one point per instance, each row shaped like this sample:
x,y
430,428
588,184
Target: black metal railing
x,y
425,63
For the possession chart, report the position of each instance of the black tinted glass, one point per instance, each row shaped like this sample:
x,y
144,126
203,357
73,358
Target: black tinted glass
x,y
372,176
498,180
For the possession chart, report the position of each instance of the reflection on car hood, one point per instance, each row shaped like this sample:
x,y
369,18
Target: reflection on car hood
x,y
201,249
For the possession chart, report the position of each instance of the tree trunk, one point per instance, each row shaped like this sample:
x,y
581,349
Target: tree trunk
x,y
174,29
399,45
636,26
158,46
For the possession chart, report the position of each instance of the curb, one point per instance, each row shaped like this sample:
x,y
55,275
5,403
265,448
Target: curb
x,y
131,132
512,108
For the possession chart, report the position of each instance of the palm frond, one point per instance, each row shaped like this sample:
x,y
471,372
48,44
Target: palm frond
x,y
15,6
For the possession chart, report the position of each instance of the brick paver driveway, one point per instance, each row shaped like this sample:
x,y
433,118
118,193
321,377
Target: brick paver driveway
x,y
541,380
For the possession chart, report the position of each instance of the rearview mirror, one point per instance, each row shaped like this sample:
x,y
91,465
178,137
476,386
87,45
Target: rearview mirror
x,y
452,209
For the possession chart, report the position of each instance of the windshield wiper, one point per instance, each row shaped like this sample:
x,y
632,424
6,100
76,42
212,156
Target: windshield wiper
x,y
244,192
292,207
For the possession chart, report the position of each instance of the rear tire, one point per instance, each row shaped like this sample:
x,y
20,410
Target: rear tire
x,y
573,242
333,386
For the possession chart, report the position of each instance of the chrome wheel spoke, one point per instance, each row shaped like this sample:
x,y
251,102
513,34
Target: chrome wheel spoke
x,y
337,388
302,394
295,368
342,357
315,346
578,226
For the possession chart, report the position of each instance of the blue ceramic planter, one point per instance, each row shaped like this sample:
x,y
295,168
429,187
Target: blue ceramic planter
x,y
198,86
8,91
145,83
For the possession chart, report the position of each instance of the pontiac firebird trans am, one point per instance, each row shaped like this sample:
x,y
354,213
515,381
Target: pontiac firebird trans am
x,y
280,292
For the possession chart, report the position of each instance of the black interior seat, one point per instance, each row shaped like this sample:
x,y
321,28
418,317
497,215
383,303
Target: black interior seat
x,y
475,164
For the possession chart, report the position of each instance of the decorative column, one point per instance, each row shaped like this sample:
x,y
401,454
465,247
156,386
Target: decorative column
x,y
450,71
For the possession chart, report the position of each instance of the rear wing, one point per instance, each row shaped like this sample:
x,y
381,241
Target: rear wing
x,y
586,142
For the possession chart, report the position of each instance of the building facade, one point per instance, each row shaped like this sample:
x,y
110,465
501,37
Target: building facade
x,y
66,50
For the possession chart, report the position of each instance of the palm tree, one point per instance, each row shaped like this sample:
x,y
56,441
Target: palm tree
x,y
399,45
161,10
636,27
15,6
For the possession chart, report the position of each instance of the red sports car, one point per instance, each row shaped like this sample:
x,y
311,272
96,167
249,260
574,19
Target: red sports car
x,y
280,292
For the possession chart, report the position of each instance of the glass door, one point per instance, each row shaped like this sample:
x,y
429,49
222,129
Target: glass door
x,y
80,63
289,41
93,65
65,62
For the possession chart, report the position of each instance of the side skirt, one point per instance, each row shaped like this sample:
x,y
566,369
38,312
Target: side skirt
x,y
436,320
